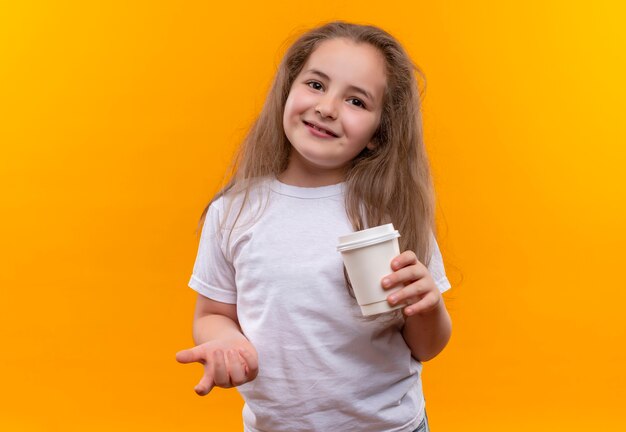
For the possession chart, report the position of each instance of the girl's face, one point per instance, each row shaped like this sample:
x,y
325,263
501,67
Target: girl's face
x,y
332,111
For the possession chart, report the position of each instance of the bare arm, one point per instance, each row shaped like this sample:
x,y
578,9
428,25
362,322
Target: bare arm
x,y
214,320
427,334
428,327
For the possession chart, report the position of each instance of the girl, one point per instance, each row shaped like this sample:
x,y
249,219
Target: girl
x,y
337,147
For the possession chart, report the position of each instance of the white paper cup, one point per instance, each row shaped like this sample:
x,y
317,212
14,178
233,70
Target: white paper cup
x,y
367,255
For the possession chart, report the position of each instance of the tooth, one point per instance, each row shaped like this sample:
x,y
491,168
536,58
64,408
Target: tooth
x,y
320,129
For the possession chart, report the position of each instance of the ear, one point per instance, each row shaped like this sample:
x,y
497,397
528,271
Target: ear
x,y
371,145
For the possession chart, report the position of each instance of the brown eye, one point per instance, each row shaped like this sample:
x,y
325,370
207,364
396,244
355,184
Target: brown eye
x,y
314,85
357,102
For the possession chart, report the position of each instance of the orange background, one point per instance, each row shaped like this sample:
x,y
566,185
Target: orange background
x,y
118,119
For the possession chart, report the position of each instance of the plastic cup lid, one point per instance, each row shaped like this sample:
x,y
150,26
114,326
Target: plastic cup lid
x,y
367,237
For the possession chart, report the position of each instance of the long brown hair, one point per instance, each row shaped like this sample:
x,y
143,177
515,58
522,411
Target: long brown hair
x,y
392,182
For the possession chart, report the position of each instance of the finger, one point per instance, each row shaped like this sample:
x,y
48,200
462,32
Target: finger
x,y
220,372
405,275
205,385
404,259
237,368
411,293
191,355
252,363
425,304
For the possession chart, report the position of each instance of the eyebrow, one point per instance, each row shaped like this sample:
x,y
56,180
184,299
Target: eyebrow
x,y
352,87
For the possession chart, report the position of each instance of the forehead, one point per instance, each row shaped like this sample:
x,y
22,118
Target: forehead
x,y
350,63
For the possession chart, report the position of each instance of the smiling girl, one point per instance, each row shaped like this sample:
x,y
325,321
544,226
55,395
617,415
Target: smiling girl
x,y
337,147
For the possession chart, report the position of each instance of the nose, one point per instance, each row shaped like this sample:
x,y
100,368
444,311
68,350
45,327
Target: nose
x,y
327,107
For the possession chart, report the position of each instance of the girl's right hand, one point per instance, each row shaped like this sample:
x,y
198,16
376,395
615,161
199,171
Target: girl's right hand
x,y
227,363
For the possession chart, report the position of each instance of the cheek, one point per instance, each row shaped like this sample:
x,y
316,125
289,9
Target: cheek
x,y
361,127
297,102
288,108
290,114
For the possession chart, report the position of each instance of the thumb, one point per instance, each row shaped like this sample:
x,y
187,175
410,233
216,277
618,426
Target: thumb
x,y
205,385
190,355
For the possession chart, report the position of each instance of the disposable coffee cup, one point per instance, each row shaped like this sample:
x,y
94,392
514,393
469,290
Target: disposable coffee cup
x,y
367,255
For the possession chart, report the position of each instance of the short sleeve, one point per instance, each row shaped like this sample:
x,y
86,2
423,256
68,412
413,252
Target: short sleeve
x,y
213,274
436,268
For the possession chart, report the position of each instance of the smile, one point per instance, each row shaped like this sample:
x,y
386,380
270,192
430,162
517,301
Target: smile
x,y
320,131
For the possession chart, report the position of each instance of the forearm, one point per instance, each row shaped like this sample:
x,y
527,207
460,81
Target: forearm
x,y
215,326
428,334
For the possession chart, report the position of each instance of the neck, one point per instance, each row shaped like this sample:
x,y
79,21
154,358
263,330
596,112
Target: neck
x,y
311,178
301,172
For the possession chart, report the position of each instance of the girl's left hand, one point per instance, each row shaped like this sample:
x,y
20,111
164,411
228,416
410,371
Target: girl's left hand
x,y
420,292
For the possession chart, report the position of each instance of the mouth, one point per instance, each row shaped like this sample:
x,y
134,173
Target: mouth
x,y
321,129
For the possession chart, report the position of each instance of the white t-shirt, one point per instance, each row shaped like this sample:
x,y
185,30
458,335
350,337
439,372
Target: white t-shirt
x,y
322,366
